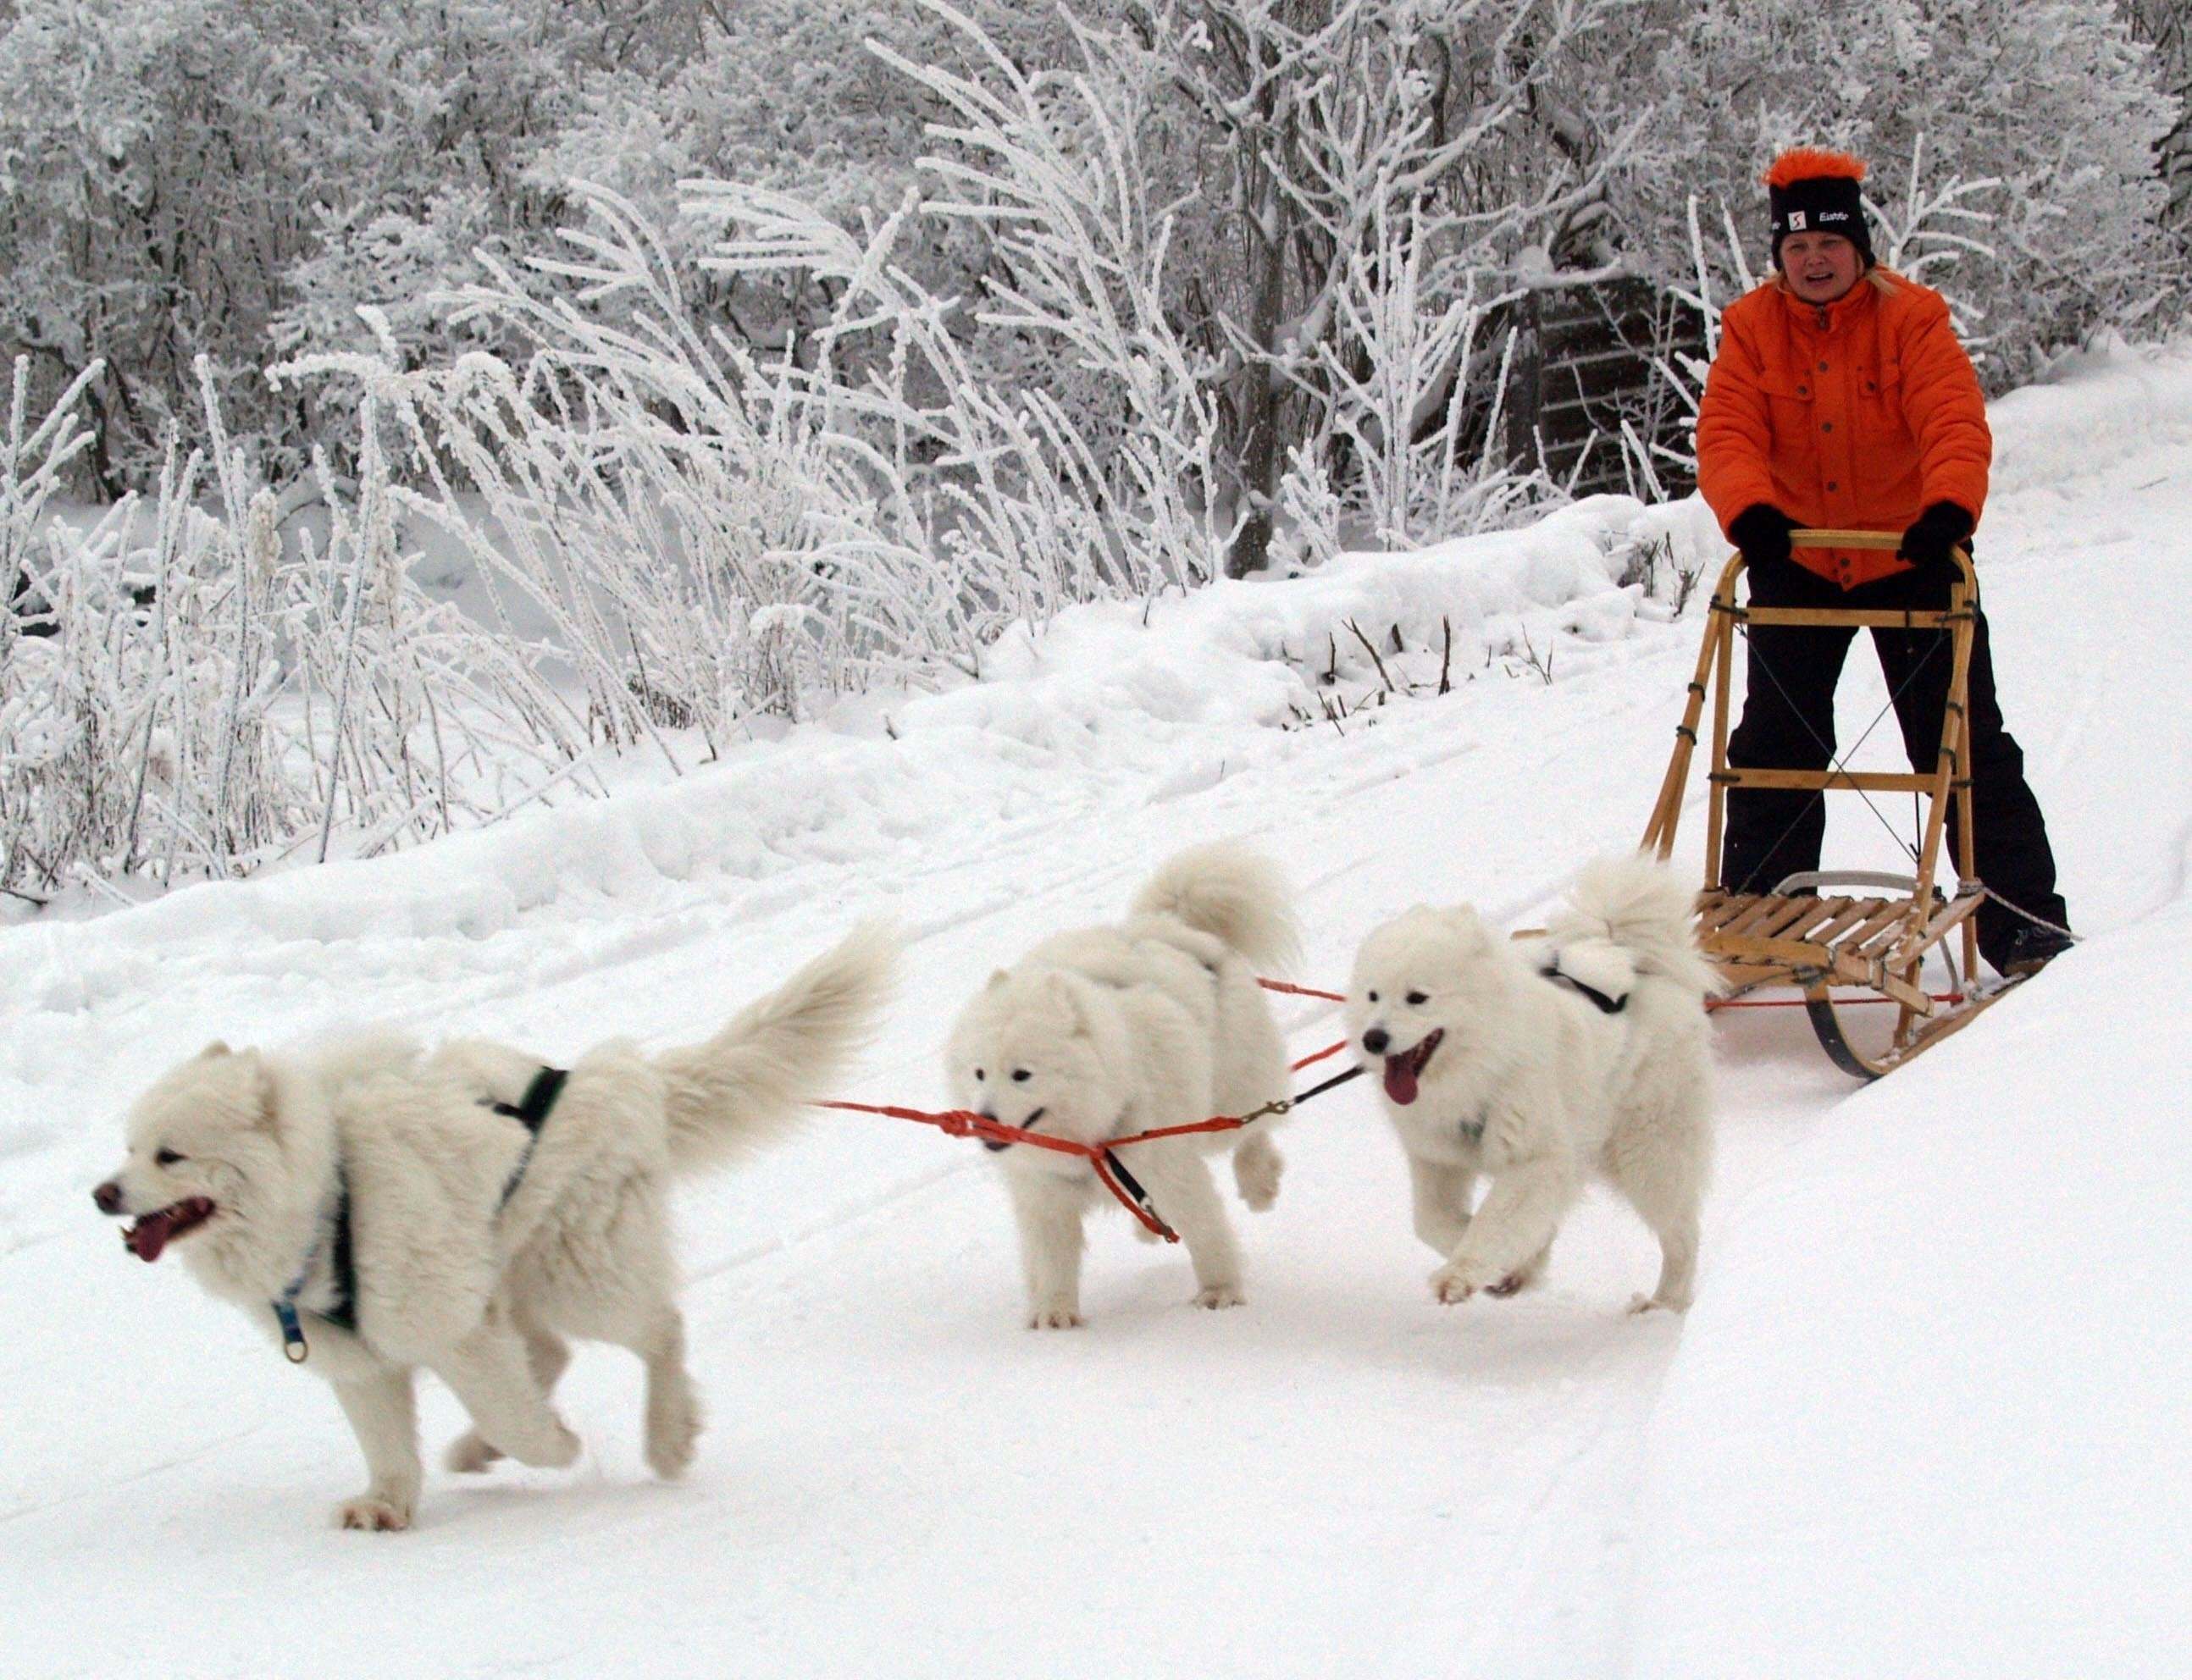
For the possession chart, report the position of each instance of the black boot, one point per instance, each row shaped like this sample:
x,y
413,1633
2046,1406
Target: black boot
x,y
2031,949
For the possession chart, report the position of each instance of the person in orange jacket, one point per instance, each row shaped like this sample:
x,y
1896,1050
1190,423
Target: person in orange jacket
x,y
1841,398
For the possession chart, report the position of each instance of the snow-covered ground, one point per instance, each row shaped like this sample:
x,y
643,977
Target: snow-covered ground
x,y
1929,1416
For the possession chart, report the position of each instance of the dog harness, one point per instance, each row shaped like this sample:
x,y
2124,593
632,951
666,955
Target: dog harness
x,y
342,1311
1552,972
531,1111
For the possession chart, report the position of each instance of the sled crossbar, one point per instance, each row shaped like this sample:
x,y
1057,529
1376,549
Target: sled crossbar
x,y
1871,781
1873,619
1818,941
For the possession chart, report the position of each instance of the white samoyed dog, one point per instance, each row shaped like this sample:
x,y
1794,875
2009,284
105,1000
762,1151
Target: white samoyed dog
x,y
381,1209
1537,1063
1104,1032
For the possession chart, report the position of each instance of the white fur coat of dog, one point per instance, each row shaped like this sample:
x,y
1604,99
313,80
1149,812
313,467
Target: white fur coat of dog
x,y
475,1249
1157,1021
1539,1063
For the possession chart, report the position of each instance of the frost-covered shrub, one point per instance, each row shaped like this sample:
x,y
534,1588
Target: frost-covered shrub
x,y
183,694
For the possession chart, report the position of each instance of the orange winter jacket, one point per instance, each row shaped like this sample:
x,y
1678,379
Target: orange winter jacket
x,y
1858,415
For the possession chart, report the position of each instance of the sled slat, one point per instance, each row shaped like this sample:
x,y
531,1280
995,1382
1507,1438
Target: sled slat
x,y
1895,911
1870,780
1870,618
1944,921
1797,910
1747,920
1814,912
1852,911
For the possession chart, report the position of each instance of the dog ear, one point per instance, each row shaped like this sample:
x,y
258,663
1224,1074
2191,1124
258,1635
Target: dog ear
x,y
266,1099
1065,996
218,1047
1469,927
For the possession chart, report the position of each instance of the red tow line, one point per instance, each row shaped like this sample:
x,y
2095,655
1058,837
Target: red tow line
x,y
1122,1184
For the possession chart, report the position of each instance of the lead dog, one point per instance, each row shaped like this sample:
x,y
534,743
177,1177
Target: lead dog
x,y
1157,1021
383,1210
1537,1065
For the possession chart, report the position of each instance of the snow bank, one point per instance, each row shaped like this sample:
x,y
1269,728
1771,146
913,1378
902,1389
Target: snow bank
x,y
2099,407
1930,1414
1159,692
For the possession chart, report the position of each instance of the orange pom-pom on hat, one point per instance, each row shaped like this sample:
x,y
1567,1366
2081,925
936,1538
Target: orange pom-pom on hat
x,y
1812,163
1814,191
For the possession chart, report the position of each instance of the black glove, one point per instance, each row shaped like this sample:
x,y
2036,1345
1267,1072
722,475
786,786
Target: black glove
x,y
1935,532
1761,532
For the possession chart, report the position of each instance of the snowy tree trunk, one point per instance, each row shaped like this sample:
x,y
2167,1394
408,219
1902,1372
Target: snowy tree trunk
x,y
1262,449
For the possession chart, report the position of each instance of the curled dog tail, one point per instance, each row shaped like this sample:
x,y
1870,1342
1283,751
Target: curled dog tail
x,y
1642,910
744,1089
1231,893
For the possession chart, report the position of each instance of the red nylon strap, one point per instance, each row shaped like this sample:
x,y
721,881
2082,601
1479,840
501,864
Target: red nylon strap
x,y
963,1123
1294,991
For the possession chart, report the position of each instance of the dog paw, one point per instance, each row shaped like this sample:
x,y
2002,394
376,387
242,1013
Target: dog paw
x,y
1257,1177
470,1454
669,1452
375,1514
1219,1296
1457,1280
555,1449
1638,1304
1054,1319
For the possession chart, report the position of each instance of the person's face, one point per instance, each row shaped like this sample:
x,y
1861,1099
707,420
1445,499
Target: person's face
x,y
1819,267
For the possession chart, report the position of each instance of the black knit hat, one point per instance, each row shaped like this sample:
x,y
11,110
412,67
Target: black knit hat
x,y
1816,191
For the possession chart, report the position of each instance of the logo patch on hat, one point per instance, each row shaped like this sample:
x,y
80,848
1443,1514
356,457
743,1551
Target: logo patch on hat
x,y
1795,221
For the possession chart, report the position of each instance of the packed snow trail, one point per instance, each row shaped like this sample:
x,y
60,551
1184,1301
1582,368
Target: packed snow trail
x,y
1341,1475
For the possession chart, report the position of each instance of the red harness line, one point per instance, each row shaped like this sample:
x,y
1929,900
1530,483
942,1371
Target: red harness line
x,y
963,1123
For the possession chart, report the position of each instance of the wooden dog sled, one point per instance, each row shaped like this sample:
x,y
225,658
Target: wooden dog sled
x,y
1851,937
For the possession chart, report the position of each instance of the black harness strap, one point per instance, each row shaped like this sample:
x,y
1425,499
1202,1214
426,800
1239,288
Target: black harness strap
x,y
1132,1185
342,1312
342,1267
1607,1006
1126,1181
531,1111
1339,1079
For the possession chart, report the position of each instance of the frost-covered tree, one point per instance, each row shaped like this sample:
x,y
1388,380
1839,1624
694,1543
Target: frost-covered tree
x,y
2054,103
1309,128
2166,26
229,178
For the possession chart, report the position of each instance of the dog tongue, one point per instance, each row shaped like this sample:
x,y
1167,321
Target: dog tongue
x,y
1400,1080
149,1235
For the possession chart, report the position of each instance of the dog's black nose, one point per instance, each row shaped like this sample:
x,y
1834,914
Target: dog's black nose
x,y
1376,1040
109,1197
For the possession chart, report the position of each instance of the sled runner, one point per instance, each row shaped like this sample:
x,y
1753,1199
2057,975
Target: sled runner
x,y
1846,937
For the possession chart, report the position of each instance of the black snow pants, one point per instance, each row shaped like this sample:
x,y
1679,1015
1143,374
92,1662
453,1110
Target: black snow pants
x,y
1788,722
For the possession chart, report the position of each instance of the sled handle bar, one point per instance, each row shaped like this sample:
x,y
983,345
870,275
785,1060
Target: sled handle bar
x,y
1887,541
